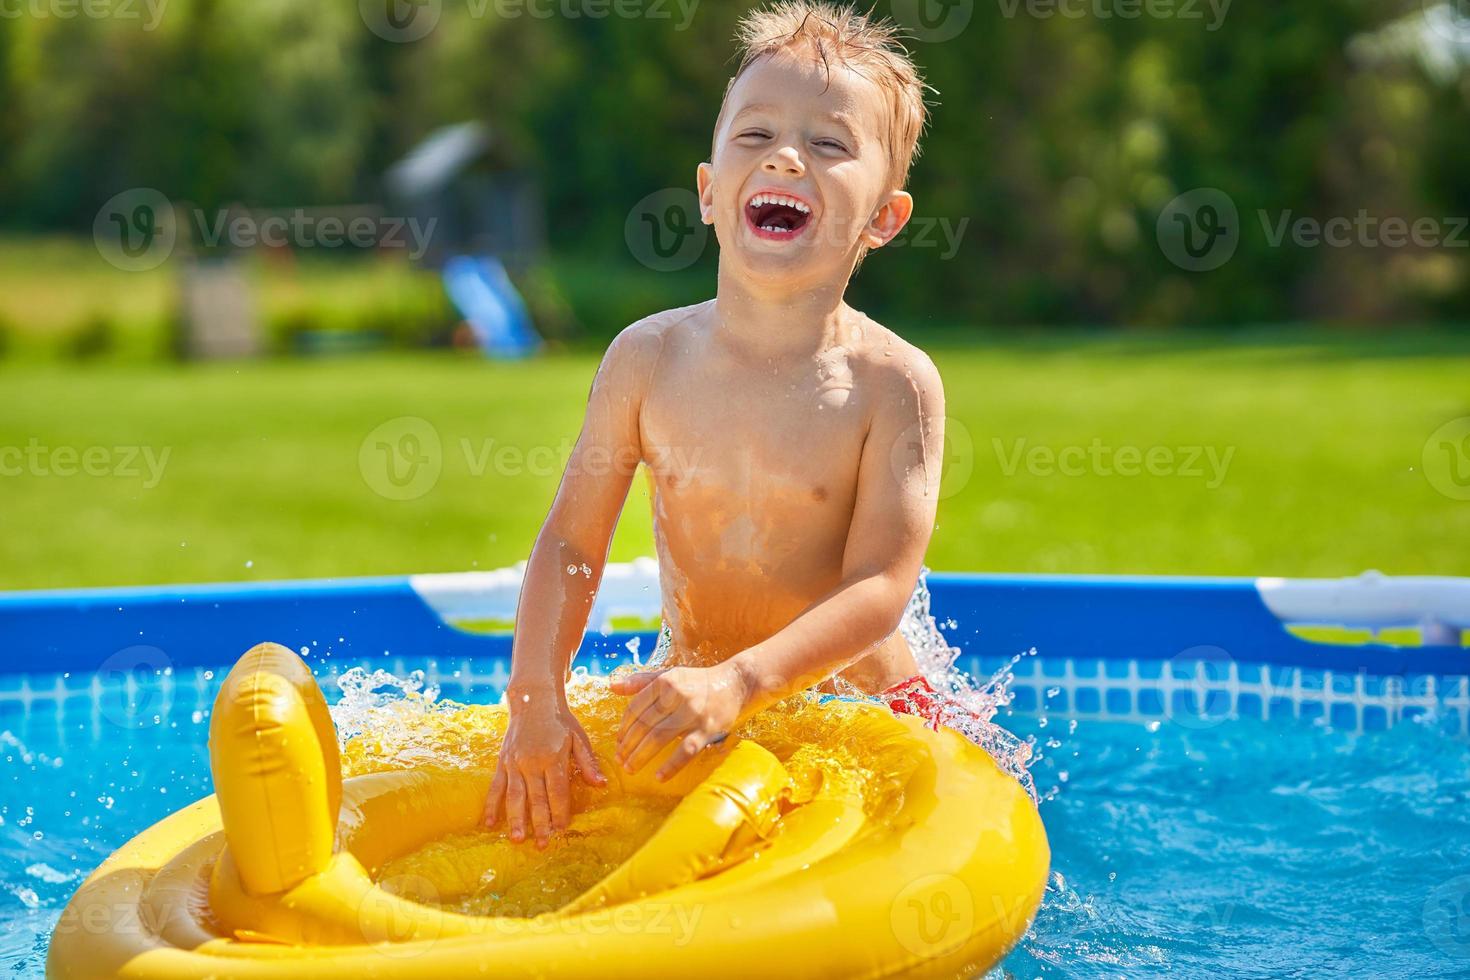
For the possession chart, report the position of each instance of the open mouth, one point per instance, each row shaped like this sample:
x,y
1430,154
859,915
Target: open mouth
x,y
777,216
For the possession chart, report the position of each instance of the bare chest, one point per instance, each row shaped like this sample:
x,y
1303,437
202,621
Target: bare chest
x,y
781,437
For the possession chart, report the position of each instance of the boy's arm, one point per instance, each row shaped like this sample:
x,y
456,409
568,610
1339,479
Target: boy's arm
x,y
531,785
893,518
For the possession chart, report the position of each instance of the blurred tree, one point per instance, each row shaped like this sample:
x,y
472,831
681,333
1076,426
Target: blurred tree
x,y
1056,142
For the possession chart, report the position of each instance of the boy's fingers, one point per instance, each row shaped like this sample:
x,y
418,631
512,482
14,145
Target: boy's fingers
x,y
653,743
689,747
638,705
634,682
587,761
640,715
540,809
559,796
637,730
515,805
496,798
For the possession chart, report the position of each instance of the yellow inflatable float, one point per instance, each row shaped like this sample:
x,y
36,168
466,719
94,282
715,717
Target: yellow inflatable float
x,y
820,841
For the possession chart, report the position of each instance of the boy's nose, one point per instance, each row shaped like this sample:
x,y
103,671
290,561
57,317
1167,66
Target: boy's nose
x,y
785,160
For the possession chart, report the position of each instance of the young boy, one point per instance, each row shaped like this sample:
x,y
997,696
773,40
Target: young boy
x,y
790,543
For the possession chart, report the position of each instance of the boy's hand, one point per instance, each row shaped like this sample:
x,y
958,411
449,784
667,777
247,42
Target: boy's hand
x,y
541,742
696,704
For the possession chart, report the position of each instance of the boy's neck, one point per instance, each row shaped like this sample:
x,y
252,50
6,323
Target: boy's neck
x,y
780,323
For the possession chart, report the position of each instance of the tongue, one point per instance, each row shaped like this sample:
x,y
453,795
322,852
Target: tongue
x,y
778,216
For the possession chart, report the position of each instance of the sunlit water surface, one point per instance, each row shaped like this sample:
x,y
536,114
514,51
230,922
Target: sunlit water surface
x,y
1199,849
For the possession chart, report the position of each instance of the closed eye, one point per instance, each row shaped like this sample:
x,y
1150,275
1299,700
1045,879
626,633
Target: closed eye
x,y
829,144
753,133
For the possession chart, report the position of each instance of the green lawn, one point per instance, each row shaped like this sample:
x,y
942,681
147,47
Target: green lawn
x,y
271,471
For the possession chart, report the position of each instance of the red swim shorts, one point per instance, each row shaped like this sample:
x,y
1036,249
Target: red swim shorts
x,y
915,696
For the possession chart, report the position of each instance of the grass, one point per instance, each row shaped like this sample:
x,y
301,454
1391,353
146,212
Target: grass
x,y
271,470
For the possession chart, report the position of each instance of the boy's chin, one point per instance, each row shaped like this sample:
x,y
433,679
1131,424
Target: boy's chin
x,y
786,263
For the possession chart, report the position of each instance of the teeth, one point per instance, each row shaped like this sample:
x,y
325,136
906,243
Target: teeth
x,y
762,199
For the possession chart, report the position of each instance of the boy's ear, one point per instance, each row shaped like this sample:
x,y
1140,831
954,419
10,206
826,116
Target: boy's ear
x,y
704,179
889,219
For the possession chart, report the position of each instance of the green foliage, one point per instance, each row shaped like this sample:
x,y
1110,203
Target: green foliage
x,y
1054,146
265,479
93,340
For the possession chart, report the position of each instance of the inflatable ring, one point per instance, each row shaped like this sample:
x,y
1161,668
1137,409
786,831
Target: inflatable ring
x,y
279,874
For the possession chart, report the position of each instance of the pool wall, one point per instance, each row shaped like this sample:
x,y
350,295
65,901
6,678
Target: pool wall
x,y
1104,647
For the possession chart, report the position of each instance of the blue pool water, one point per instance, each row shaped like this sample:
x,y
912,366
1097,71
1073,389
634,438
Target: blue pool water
x,y
1274,844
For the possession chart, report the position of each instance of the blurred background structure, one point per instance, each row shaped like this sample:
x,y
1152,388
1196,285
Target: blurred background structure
x,y
1146,225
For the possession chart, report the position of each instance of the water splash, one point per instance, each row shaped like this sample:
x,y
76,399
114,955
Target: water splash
x,y
968,707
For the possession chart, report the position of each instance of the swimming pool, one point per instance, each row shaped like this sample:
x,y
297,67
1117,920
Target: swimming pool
x,y
1216,811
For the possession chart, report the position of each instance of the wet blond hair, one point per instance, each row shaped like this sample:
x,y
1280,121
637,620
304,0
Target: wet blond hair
x,y
871,46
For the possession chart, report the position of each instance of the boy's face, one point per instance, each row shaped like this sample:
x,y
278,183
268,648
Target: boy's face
x,y
800,179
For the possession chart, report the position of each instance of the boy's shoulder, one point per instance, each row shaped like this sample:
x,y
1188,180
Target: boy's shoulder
x,y
655,329
640,343
635,351
894,363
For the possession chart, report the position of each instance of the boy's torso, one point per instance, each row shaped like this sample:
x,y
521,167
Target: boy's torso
x,y
754,463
